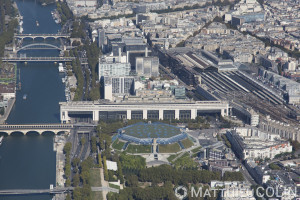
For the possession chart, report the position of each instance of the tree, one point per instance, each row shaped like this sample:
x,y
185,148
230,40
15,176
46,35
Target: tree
x,y
94,144
68,182
105,169
67,148
274,166
233,176
130,162
77,194
85,167
132,180
120,173
296,145
100,160
82,141
75,162
68,197
76,180
67,170
2,111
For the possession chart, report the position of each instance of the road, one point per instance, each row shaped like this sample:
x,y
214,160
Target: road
x,y
246,175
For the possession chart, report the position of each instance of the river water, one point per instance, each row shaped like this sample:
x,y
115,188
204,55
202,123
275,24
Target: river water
x,y
28,162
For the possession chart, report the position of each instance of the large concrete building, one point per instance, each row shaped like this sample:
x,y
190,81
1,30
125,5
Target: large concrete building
x,y
290,87
112,86
114,69
147,66
177,109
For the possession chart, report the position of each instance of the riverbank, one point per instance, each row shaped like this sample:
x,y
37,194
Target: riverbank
x,y
58,146
8,71
29,162
10,104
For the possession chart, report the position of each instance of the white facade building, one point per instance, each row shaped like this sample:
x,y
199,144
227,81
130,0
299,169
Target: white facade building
x,y
251,143
234,190
114,69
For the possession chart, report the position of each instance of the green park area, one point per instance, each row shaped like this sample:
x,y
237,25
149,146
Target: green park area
x,y
187,143
172,157
118,145
185,161
95,182
196,151
138,148
168,148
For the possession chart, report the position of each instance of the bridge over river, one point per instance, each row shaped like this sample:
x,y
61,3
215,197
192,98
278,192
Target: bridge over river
x,y
57,190
39,128
37,59
44,36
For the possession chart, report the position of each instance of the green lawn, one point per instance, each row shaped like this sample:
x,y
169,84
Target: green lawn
x,y
114,186
95,177
169,148
196,149
185,161
95,182
118,144
187,143
138,148
97,196
171,157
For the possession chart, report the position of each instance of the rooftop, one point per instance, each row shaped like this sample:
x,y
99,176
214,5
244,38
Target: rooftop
x,y
151,130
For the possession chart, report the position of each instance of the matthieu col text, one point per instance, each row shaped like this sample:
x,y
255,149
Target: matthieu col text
x,y
243,192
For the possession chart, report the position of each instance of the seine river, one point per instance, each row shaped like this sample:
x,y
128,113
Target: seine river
x,y
28,162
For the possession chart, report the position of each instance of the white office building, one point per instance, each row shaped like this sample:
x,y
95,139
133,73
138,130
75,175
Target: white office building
x,y
114,69
147,66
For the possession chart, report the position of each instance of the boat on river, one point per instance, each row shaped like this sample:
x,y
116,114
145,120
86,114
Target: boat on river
x,y
1,139
25,96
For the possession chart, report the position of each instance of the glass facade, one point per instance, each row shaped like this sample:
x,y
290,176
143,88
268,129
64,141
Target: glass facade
x,y
147,66
122,85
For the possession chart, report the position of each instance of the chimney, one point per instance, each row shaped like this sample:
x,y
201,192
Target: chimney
x,y
120,54
146,52
127,57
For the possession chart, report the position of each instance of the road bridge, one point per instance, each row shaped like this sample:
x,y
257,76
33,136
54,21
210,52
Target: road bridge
x,y
57,190
37,59
39,128
40,46
44,36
